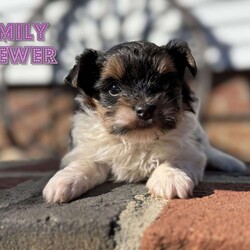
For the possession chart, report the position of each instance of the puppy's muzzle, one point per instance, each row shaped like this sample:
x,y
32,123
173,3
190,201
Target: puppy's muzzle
x,y
145,111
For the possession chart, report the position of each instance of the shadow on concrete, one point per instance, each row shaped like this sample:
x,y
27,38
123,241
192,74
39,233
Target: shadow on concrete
x,y
207,189
221,180
101,189
211,170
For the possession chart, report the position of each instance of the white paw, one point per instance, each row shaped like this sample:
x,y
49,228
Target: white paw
x,y
64,187
167,182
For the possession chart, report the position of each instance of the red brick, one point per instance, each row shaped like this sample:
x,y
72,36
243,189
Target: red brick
x,y
218,218
232,137
230,98
4,141
43,130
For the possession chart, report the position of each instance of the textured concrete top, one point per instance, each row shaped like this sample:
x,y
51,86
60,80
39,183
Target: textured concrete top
x,y
124,216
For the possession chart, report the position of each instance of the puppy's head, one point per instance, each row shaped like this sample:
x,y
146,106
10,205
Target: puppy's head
x,y
136,88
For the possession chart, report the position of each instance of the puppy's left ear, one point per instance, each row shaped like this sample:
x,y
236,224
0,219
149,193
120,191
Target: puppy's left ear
x,y
85,72
182,56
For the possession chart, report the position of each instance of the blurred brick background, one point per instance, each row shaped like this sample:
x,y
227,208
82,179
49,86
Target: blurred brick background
x,y
38,123
43,128
227,114
35,108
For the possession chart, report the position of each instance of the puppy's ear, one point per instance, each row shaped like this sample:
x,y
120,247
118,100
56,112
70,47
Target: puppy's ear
x,y
85,72
182,56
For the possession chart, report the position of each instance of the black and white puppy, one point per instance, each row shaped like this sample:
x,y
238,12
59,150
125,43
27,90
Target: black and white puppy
x,y
137,121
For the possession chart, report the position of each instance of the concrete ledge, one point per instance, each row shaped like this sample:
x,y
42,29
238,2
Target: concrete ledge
x,y
124,217
92,222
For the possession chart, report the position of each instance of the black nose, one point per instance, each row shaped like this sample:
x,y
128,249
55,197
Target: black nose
x,y
145,111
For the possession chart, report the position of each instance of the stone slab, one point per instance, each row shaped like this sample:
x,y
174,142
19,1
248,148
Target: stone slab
x,y
91,222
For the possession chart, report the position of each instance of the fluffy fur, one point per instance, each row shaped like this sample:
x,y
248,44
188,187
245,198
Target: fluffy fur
x,y
137,121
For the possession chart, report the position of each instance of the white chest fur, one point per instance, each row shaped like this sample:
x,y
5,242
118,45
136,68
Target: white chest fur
x,y
129,161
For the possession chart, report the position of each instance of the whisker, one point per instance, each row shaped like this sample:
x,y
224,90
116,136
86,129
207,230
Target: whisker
x,y
175,98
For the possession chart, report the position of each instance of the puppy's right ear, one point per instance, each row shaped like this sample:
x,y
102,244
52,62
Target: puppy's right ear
x,y
182,56
85,72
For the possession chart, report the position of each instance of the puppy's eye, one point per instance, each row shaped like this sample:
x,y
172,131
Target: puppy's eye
x,y
114,90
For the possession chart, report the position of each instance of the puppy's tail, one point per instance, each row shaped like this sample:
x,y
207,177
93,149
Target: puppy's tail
x,y
218,159
222,161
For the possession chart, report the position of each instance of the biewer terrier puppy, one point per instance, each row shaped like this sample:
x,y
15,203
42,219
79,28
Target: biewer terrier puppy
x,y
137,121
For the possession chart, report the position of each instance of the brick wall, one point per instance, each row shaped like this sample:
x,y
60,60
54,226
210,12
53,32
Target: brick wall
x,y
227,115
40,119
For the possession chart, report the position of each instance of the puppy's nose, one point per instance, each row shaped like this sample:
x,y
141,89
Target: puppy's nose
x,y
145,111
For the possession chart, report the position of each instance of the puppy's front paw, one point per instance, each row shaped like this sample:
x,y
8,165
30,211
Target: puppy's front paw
x,y
168,182
63,187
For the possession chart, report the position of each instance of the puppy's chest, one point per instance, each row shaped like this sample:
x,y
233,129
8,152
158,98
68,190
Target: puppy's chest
x,y
134,162
128,161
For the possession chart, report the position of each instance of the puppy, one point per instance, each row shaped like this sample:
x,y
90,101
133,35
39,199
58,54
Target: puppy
x,y
137,121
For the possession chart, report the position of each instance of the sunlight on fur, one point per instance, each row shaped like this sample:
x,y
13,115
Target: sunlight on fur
x,y
136,121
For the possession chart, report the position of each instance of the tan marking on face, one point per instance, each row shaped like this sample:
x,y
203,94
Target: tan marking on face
x,y
114,68
101,111
90,102
165,66
125,115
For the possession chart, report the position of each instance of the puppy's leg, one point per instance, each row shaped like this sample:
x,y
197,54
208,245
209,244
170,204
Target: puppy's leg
x,y
175,180
75,179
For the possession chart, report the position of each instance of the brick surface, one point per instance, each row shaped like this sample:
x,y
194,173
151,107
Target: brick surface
x,y
231,137
39,123
230,98
218,218
4,142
